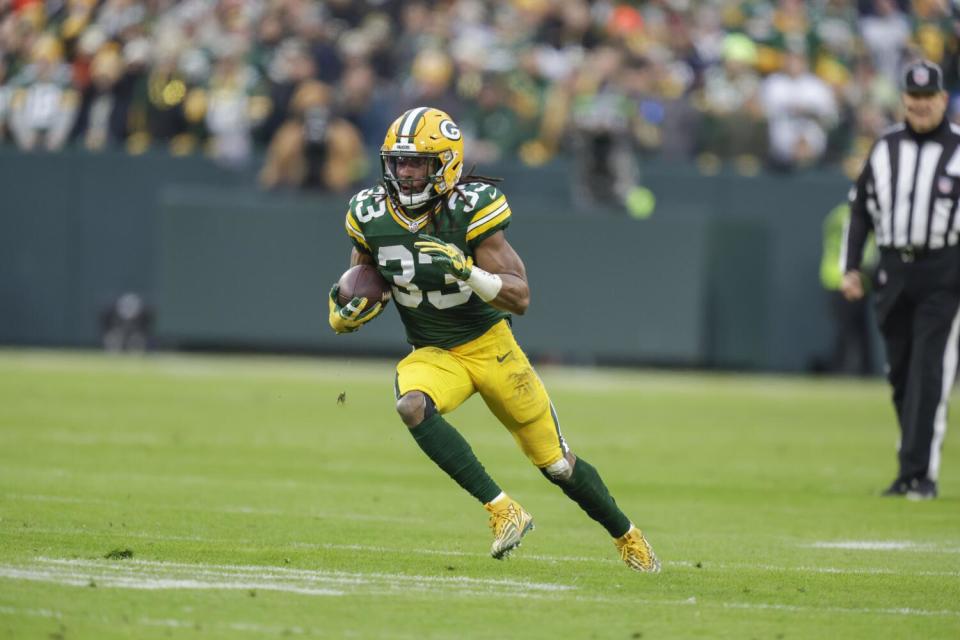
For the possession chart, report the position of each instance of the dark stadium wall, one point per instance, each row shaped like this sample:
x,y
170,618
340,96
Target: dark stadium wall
x,y
76,231
724,274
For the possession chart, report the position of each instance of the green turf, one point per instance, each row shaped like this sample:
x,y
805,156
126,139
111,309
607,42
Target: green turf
x,y
256,506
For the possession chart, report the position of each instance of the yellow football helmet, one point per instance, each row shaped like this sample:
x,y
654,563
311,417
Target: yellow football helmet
x,y
422,134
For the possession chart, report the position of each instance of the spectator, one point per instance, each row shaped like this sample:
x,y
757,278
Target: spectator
x,y
117,16
801,110
730,99
105,104
176,102
492,126
606,169
430,83
291,65
43,105
313,149
363,102
415,34
886,34
236,103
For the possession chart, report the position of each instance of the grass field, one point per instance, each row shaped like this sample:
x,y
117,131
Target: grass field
x,y
235,498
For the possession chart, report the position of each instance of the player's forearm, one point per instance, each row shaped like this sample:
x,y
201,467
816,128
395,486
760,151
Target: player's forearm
x,y
514,294
854,238
358,257
858,225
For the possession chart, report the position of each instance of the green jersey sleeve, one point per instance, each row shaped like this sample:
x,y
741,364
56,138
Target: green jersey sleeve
x,y
489,214
359,213
355,232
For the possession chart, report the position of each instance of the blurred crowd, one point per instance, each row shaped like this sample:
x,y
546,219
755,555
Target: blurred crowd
x,y
303,88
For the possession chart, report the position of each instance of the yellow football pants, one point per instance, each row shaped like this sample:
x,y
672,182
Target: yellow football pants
x,y
494,366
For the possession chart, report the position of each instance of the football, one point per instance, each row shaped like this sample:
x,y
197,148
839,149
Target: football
x,y
363,281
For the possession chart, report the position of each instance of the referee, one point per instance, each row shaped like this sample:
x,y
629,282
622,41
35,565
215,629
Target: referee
x,y
907,195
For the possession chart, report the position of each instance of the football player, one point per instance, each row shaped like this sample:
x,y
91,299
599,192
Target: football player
x,y
438,239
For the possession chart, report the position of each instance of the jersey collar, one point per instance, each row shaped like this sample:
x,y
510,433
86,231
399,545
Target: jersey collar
x,y
413,225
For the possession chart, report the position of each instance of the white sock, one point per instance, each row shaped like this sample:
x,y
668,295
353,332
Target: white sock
x,y
499,497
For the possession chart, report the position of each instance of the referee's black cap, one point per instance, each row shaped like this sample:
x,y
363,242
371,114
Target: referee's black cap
x,y
923,77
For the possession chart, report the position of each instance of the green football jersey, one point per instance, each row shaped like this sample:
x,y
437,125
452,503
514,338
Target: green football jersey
x,y
436,309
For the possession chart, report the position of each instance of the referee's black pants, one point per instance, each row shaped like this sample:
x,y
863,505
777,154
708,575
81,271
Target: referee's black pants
x,y
918,309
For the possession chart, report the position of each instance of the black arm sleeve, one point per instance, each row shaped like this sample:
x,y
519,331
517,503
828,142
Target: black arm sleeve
x,y
859,224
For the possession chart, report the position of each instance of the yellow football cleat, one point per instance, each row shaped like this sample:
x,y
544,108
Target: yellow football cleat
x,y
509,522
636,552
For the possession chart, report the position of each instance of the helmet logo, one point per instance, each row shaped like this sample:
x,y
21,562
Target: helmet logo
x,y
450,130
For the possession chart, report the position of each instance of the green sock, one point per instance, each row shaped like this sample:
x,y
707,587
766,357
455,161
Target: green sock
x,y
586,488
447,448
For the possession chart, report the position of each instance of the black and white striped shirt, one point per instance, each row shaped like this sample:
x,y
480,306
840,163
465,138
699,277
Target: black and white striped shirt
x,y
906,194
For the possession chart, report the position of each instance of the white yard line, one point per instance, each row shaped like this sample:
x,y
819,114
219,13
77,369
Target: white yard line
x,y
26,497
882,545
288,572
101,579
33,613
150,575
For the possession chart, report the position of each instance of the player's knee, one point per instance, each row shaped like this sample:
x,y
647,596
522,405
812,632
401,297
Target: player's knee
x,y
411,407
415,407
560,471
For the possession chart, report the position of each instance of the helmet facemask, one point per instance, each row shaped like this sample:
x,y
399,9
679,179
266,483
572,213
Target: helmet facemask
x,y
413,192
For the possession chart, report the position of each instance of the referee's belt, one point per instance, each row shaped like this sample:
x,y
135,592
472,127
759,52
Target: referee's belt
x,y
908,254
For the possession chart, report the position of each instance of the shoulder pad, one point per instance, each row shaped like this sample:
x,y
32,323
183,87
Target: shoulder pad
x,y
486,210
471,197
360,196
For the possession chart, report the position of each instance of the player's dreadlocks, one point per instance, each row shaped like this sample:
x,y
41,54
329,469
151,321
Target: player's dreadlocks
x,y
474,177
467,179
